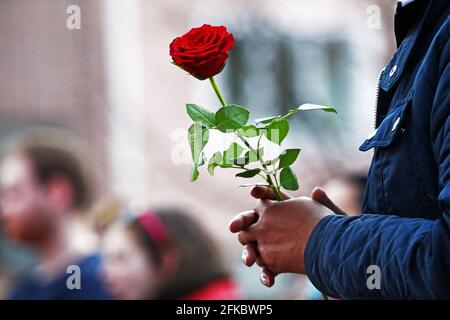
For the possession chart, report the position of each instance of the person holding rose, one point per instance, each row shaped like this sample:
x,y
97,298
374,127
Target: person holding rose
x,y
403,233
405,226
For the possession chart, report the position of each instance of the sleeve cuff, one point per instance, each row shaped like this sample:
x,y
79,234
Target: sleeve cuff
x,y
313,257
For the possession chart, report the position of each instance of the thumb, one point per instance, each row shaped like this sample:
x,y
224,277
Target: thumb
x,y
262,193
320,196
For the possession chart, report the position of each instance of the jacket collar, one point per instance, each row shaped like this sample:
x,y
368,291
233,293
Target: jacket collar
x,y
410,22
407,17
405,2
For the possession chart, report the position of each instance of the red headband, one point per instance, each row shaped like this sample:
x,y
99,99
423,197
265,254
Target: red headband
x,y
154,227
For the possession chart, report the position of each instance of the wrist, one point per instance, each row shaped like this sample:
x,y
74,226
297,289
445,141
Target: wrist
x,y
313,242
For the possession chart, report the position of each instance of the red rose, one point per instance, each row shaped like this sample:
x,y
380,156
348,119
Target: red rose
x,y
202,51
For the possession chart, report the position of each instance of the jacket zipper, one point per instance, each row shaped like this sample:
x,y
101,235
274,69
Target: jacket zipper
x,y
376,97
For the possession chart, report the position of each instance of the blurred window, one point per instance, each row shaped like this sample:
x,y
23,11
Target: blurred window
x,y
270,73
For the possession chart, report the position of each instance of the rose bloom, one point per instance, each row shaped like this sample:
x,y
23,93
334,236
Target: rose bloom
x,y
202,51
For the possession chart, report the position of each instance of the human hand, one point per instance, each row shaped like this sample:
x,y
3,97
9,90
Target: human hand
x,y
249,219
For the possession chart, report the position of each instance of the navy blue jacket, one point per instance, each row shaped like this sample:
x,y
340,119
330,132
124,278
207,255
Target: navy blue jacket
x,y
405,228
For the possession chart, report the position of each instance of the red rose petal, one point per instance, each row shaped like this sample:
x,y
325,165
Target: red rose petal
x,y
203,50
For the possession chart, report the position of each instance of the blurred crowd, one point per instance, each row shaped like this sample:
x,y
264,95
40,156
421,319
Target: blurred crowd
x,y
60,240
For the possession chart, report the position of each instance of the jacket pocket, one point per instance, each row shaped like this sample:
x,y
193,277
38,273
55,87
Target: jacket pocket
x,y
389,128
395,184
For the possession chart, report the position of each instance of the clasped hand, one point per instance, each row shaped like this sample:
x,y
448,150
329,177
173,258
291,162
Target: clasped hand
x,y
274,234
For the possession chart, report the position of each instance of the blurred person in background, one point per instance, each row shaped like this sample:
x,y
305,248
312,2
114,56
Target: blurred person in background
x,y
15,259
164,255
105,213
44,189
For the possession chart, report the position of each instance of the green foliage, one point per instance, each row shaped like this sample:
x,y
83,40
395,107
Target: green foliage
x,y
231,117
288,157
277,131
234,118
291,112
310,106
194,173
288,179
248,173
250,131
215,161
198,138
201,115
233,152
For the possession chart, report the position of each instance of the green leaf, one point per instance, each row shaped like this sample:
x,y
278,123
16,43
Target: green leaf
x,y
288,157
248,173
250,131
303,107
277,131
217,157
226,165
215,161
246,185
194,173
288,179
198,138
211,167
267,120
233,152
231,117
201,115
310,106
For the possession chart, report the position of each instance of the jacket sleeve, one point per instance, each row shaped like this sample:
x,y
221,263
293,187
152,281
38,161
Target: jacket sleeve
x,y
413,254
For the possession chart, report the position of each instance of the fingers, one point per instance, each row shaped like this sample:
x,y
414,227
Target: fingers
x,y
261,206
243,220
267,277
246,237
260,192
249,254
259,261
319,195
243,225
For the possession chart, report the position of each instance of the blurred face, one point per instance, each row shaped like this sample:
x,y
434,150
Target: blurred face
x,y
23,201
128,271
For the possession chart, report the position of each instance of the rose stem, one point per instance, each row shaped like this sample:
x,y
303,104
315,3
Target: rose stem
x,y
217,91
274,187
